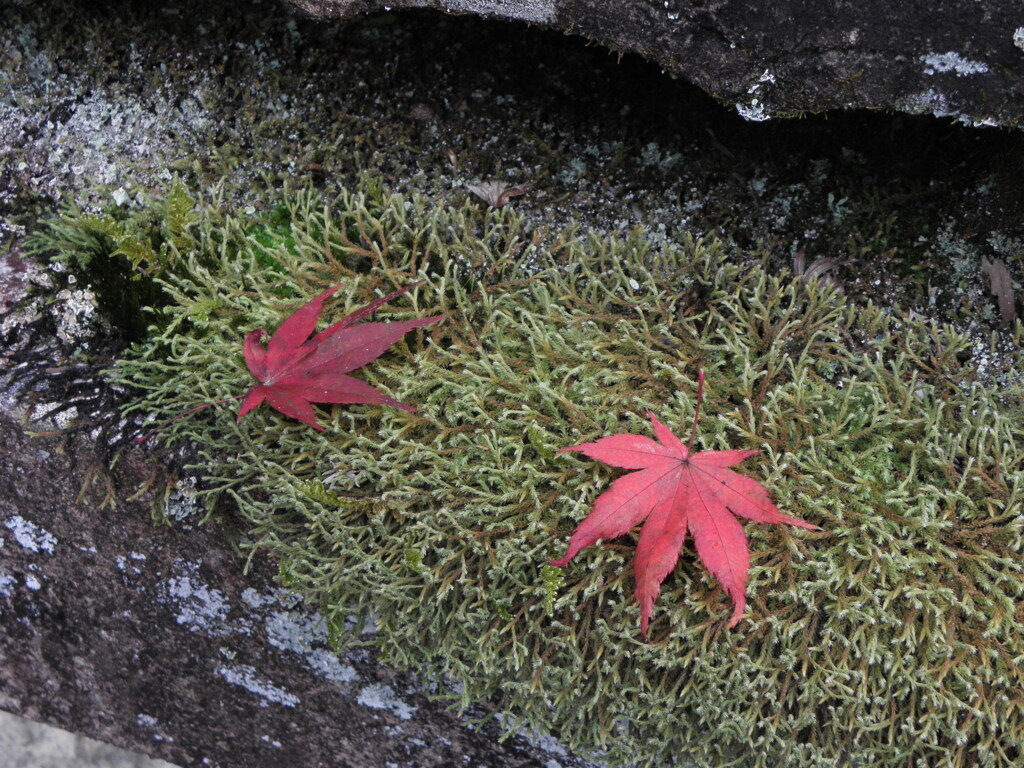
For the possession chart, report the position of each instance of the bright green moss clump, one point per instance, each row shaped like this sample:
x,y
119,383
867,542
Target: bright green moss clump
x,y
894,637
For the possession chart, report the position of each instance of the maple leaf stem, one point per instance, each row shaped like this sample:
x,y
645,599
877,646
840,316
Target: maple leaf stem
x,y
696,412
158,427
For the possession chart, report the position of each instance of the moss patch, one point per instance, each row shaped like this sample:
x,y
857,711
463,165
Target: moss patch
x,y
891,638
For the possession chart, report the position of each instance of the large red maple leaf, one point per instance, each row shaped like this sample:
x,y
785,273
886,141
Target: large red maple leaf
x,y
676,491
295,371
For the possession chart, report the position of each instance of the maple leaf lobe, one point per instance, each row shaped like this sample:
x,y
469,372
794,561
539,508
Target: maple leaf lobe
x,y
295,371
675,492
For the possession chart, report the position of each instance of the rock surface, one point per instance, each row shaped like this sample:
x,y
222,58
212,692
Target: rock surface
x,y
28,744
950,58
152,638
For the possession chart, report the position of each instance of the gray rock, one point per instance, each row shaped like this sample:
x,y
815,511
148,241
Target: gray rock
x,y
950,58
152,638
27,744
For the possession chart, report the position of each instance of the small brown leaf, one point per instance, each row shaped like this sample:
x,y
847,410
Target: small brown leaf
x,y
424,113
799,263
1001,286
497,193
820,268
823,268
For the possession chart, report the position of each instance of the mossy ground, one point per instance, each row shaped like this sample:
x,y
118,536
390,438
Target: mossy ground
x,y
893,637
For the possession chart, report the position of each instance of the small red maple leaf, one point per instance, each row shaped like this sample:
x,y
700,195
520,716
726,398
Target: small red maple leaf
x,y
676,491
295,372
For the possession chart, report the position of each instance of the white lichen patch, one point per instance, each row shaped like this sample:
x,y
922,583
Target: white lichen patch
x,y
30,536
754,112
199,606
1018,37
182,505
306,635
61,417
150,722
7,582
534,11
75,311
540,740
930,102
125,567
31,582
254,599
301,633
766,77
245,676
377,696
951,61
105,136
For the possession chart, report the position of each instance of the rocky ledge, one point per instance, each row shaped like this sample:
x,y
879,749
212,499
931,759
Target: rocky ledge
x,y
949,58
152,638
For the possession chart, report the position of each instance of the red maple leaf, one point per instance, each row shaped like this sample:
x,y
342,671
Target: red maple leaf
x,y
676,491
295,371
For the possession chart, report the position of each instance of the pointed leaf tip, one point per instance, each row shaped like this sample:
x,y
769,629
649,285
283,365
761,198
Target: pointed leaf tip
x,y
667,437
252,398
359,314
254,353
737,613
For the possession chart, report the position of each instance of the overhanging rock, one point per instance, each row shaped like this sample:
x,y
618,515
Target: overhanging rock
x,y
950,58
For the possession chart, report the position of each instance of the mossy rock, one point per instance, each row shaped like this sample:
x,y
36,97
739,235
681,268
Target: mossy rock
x,y
893,637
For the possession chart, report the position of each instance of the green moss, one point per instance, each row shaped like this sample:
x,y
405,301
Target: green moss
x,y
121,249
891,638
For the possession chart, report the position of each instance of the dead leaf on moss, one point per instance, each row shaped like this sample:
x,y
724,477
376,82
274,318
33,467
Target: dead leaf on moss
x,y
423,113
497,193
1001,286
823,268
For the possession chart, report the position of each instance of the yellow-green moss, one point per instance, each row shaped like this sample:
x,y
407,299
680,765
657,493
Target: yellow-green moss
x,y
893,637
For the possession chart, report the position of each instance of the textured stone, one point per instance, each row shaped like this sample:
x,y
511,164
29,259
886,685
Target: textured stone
x,y
950,58
28,744
152,638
